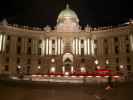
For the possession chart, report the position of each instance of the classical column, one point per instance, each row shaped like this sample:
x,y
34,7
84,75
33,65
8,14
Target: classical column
x,y
131,41
88,46
47,46
73,46
50,46
76,46
3,42
0,42
92,47
62,46
56,41
85,47
58,46
43,47
79,47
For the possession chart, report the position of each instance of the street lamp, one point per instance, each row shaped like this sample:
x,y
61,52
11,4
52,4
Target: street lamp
x,y
107,61
96,62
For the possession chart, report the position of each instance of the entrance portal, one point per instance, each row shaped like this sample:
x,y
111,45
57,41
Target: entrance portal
x,y
68,61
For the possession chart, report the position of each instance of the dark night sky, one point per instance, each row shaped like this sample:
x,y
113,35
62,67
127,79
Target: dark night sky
x,y
43,12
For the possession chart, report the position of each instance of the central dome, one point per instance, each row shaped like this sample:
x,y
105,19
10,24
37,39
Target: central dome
x,y
67,13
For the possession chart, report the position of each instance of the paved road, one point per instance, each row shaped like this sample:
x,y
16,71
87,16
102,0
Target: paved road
x,y
9,91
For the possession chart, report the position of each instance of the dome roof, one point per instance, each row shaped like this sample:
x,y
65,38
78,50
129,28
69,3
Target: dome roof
x,y
67,13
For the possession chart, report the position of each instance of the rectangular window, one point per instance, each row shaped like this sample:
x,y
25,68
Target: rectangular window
x,y
7,60
19,39
82,51
29,51
6,68
39,61
18,50
18,60
39,51
116,50
53,41
7,48
128,59
82,41
117,60
29,61
129,67
115,39
29,40
8,37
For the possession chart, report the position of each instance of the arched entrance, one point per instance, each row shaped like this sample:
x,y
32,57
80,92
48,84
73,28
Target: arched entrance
x,y
67,61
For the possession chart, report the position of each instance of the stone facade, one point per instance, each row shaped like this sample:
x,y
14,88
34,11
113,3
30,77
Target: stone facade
x,y
65,49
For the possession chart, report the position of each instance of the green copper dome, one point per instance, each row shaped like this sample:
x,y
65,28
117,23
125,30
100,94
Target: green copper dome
x,y
67,13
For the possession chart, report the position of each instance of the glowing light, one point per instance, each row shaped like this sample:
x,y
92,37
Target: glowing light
x,y
66,73
52,60
82,69
72,69
98,67
52,69
38,67
107,61
121,66
19,67
63,69
96,62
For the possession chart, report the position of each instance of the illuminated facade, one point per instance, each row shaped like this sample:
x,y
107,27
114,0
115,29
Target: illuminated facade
x,y
67,48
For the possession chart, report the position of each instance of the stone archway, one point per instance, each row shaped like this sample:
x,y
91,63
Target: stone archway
x,y
68,61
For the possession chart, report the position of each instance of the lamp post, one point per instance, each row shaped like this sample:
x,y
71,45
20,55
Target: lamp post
x,y
97,62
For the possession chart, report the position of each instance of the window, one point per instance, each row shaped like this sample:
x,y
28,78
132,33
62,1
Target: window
x,y
39,51
129,67
127,48
115,39
6,68
29,61
29,51
126,38
29,40
18,50
18,60
40,41
82,60
105,41
8,37
53,41
117,68
106,51
53,51
82,41
116,49
128,60
7,60
39,61
82,51
19,39
7,48
117,60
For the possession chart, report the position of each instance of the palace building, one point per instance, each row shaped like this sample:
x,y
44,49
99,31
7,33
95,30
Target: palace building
x,y
66,48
